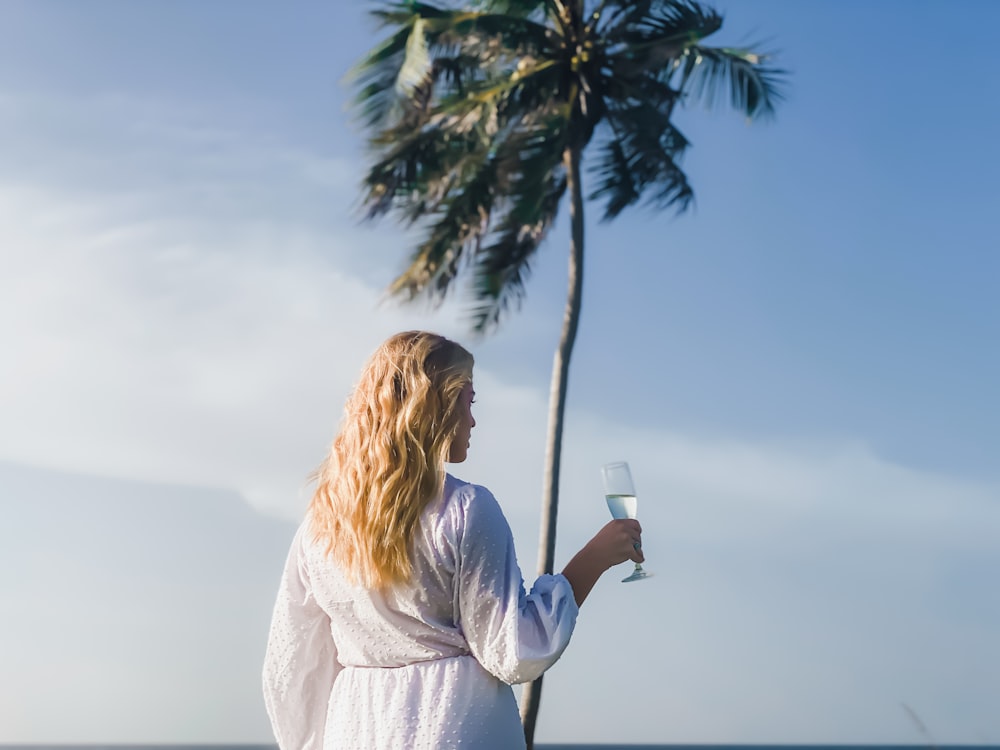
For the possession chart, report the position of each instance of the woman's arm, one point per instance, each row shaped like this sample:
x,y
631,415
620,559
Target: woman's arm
x,y
514,635
301,660
617,542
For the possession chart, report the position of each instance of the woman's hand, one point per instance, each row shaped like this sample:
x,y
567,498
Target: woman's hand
x,y
618,541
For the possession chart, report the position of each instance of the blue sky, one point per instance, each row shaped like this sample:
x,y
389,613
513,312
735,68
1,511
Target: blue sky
x,y
801,369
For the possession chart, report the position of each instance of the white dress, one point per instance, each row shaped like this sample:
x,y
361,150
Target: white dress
x,y
425,665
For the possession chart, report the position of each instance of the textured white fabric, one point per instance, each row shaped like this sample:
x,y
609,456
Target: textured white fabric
x,y
425,665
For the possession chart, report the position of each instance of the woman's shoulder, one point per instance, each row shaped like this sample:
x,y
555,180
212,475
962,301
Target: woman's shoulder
x,y
458,491
472,505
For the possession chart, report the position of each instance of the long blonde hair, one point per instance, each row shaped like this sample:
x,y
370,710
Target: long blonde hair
x,y
387,463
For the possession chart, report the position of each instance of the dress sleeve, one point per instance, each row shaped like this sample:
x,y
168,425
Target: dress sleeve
x,y
515,635
301,660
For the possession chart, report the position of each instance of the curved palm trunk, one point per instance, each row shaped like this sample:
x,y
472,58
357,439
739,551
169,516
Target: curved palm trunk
x,y
531,697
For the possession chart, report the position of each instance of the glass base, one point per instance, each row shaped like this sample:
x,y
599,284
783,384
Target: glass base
x,y
637,575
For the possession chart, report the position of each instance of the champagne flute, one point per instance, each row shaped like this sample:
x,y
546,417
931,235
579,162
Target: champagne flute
x,y
620,494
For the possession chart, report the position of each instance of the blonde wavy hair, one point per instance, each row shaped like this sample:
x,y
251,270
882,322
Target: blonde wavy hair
x,y
387,463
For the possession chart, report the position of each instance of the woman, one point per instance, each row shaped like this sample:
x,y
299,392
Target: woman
x,y
402,619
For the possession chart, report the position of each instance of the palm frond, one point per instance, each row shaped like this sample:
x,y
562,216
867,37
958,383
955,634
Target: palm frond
x,y
494,36
630,90
502,268
534,187
462,220
494,215
532,88
622,185
419,162
519,8
607,16
753,86
402,12
433,45
640,157
650,33
418,168
417,64
374,79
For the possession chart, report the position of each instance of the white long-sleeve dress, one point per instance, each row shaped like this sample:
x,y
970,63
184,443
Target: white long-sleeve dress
x,y
428,664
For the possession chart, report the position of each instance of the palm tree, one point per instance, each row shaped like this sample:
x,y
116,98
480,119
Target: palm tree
x,y
479,117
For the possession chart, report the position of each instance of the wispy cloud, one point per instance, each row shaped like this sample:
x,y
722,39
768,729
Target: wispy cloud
x,y
198,306
796,587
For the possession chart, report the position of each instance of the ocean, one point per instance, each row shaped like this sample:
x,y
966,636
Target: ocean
x,y
546,746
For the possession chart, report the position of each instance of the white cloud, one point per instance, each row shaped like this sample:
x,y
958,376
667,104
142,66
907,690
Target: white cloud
x,y
178,300
800,594
133,352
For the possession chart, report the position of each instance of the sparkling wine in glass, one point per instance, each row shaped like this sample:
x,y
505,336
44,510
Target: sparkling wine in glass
x,y
620,493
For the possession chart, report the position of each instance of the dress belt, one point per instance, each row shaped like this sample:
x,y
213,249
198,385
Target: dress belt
x,y
431,660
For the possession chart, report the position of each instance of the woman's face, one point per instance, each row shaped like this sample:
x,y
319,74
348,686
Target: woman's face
x,y
460,445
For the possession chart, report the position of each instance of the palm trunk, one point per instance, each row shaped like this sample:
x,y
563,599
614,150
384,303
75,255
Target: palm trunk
x,y
531,697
